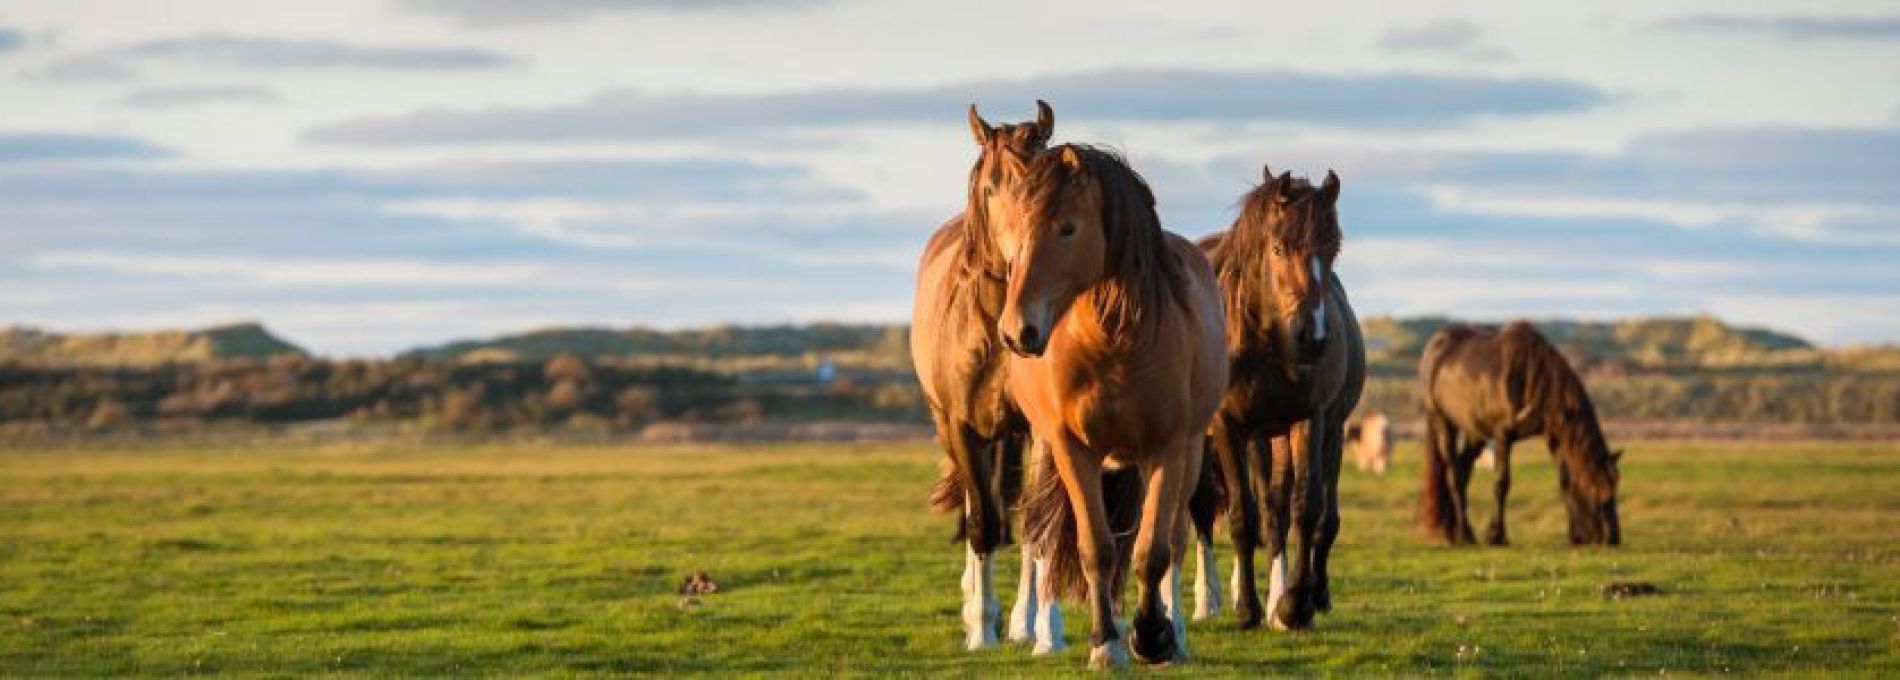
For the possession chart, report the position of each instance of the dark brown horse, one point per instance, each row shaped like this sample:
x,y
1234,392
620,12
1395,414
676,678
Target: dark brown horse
x,y
960,365
1115,328
1297,365
1484,386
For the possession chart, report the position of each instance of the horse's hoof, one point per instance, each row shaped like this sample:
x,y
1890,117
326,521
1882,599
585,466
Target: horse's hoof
x,y
1495,537
1247,615
1290,614
1153,639
1047,647
1021,627
1206,608
1108,656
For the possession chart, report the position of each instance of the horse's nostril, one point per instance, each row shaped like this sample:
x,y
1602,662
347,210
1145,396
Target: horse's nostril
x,y
1028,336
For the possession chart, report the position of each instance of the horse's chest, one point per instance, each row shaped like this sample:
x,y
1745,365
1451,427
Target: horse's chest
x,y
1267,397
1114,409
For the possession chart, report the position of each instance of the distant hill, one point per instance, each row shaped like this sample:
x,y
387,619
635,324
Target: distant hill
x,y
717,342
33,346
1659,342
1394,344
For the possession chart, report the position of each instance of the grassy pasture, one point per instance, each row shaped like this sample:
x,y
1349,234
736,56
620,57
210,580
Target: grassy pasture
x,y
508,559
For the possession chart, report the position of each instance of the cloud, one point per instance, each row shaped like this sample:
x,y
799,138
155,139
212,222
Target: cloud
x,y
514,12
192,95
268,54
1177,95
1792,26
11,40
297,271
1450,36
23,148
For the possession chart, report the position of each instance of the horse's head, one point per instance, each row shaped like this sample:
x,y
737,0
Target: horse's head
x,y
1296,228
1054,238
1004,152
1590,497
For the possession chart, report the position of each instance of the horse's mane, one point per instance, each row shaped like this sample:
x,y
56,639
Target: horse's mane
x,y
1241,261
1142,268
1015,144
1539,372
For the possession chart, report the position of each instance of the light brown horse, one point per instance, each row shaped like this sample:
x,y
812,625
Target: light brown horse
x,y
960,366
1298,367
1115,328
1502,386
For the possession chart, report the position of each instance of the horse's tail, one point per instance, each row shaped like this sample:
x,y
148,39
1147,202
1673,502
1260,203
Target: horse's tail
x,y
1049,522
1209,501
1436,514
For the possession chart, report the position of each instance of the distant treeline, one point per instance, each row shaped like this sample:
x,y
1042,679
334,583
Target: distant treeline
x,y
607,380
563,392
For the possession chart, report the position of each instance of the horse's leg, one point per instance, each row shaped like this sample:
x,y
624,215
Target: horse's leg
x,y
1274,470
1082,478
1295,610
1461,465
1159,629
1048,619
1495,535
1329,521
1022,615
973,455
1201,514
1243,516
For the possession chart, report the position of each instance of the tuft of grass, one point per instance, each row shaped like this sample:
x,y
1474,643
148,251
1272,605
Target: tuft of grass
x,y
399,559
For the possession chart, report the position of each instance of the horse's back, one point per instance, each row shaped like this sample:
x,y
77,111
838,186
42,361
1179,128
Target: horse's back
x,y
1462,373
1210,313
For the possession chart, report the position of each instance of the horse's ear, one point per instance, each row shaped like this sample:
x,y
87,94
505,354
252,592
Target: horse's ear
x,y
1073,159
1266,173
980,129
1045,122
1278,186
1329,190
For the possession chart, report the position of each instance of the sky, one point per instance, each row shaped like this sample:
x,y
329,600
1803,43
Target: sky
x,y
366,176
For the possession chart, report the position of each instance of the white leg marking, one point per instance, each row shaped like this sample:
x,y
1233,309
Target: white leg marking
x,y
1276,586
1171,602
979,602
1048,614
1207,593
1112,655
1022,616
1233,582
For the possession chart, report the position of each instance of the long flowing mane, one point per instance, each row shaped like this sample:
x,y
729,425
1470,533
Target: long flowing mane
x,y
1241,261
1013,145
1538,371
1142,269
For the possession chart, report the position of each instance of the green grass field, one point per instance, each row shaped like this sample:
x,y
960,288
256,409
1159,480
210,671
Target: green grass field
x,y
506,559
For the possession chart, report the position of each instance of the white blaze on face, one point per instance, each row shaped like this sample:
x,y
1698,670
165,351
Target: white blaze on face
x,y
1319,310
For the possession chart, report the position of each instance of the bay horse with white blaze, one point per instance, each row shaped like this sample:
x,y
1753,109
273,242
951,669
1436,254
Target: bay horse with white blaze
x,y
1115,329
1297,364
1501,386
959,365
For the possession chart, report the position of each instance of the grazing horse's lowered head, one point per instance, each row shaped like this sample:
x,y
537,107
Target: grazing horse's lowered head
x,y
1289,229
1588,476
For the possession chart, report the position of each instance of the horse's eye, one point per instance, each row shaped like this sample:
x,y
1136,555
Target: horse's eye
x,y
989,191
1067,230
1279,250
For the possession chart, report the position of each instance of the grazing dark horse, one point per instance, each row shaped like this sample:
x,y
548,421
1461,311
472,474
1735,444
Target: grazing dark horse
x,y
1297,365
1115,329
1483,386
959,363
